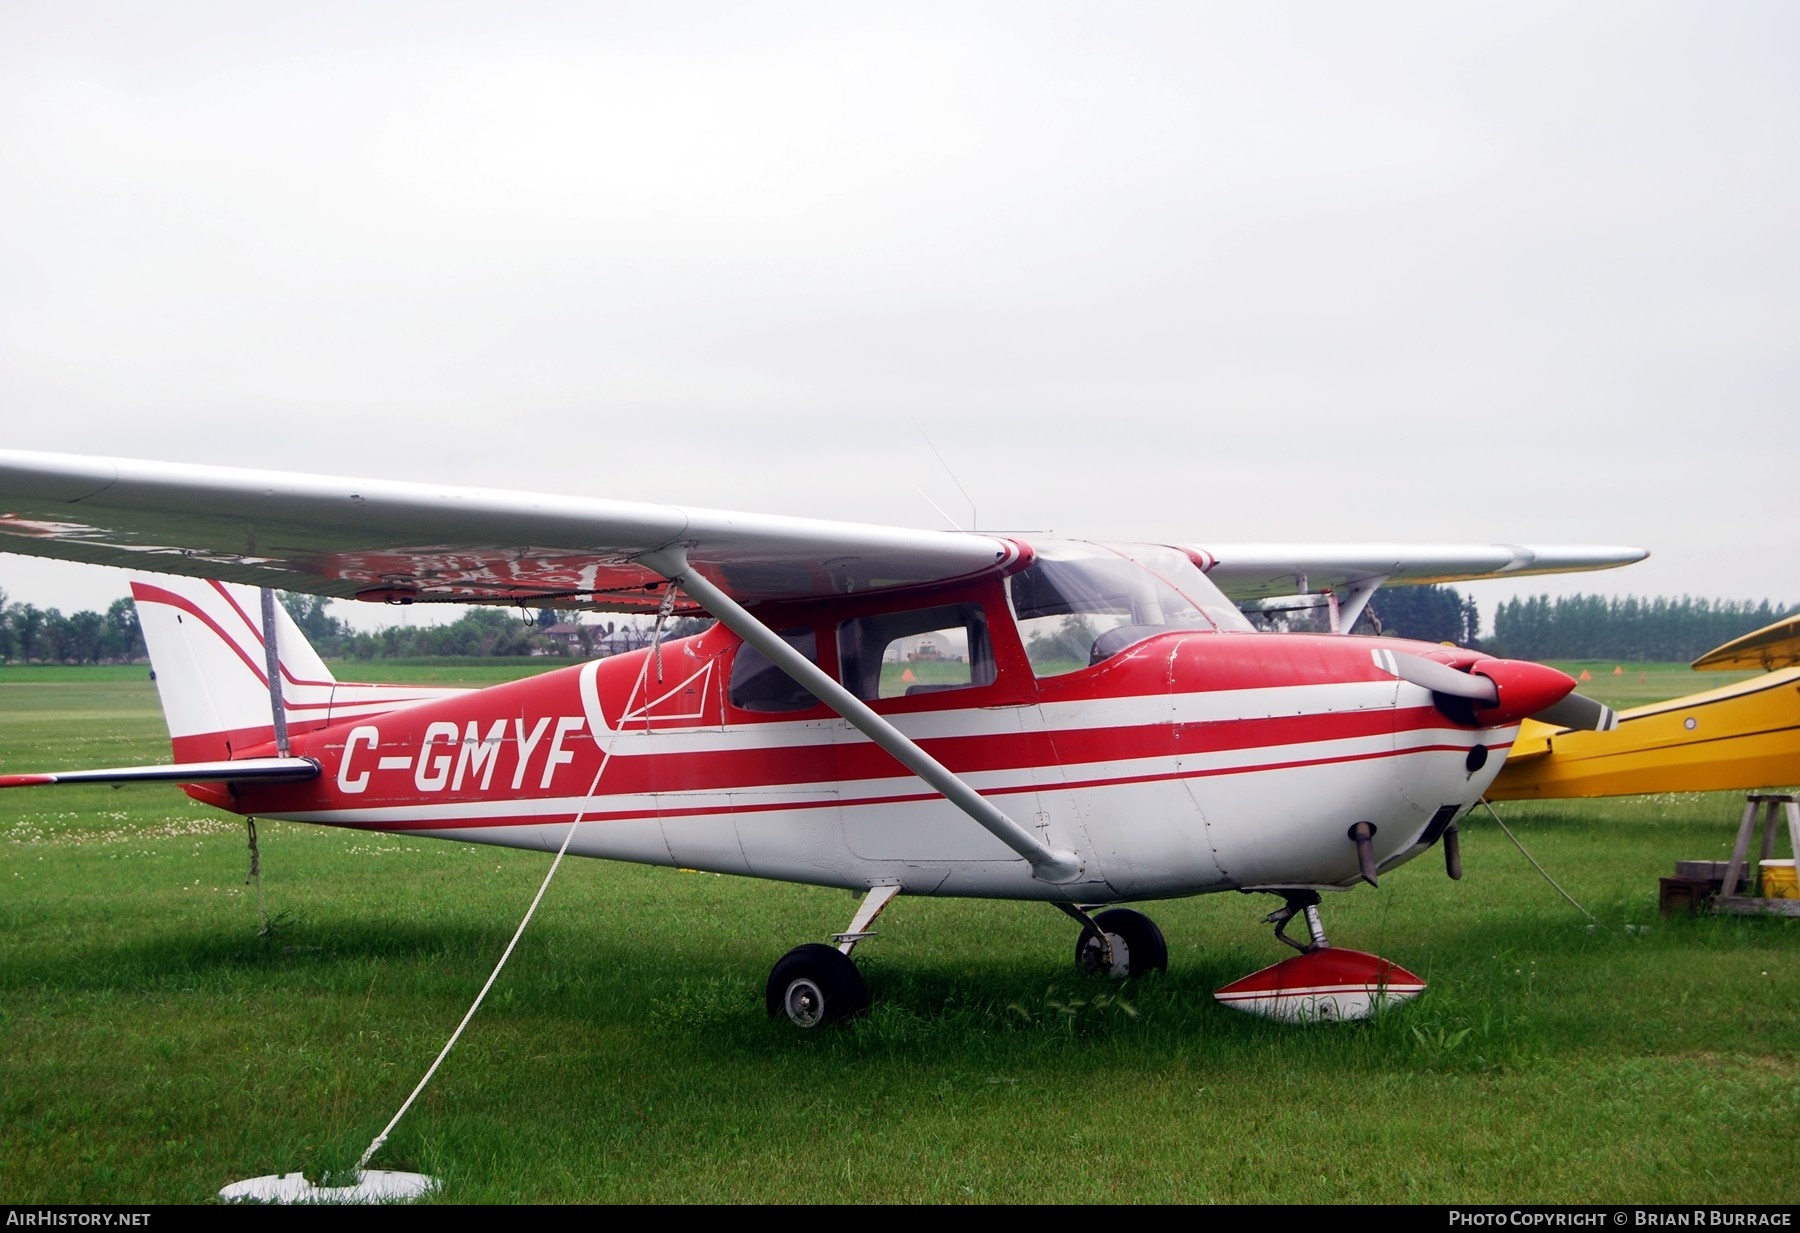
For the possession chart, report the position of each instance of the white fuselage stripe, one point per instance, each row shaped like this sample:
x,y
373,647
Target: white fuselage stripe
x,y
851,794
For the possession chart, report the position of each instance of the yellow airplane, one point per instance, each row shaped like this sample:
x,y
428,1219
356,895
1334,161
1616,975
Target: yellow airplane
x,y
1745,735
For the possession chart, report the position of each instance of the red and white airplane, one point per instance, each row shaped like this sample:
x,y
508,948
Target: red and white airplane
x,y
886,710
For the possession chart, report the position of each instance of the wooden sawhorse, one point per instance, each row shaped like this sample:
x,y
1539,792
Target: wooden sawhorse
x,y
1765,804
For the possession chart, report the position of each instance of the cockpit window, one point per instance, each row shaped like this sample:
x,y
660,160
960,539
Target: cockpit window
x,y
1080,603
1177,569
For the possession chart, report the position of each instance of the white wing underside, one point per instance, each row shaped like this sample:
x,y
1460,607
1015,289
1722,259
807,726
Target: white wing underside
x,y
381,539
1256,571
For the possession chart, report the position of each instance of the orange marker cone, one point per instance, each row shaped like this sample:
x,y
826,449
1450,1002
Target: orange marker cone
x,y
908,676
1618,669
1585,675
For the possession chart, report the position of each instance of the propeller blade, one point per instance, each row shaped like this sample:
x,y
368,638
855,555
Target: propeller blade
x,y
1581,713
1442,679
1503,691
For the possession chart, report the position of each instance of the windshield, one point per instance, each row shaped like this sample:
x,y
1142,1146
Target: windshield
x,y
1079,603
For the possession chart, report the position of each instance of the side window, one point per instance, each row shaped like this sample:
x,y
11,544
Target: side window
x,y
758,685
927,650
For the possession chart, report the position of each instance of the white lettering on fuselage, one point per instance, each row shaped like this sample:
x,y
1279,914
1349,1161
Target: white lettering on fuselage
x,y
364,735
435,767
479,754
558,755
526,745
432,772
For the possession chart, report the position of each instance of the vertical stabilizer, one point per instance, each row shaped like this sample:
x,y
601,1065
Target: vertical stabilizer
x,y
206,647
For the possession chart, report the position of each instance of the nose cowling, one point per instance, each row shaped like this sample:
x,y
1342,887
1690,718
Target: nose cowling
x,y
1521,689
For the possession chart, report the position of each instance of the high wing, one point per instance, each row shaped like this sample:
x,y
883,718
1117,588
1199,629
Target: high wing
x,y
1259,571
404,542
399,542
1767,649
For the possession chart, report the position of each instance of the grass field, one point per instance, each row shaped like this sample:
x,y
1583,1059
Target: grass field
x,y
1627,685
154,1047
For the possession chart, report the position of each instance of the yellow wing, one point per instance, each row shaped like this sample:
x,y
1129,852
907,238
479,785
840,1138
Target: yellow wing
x,y
1771,647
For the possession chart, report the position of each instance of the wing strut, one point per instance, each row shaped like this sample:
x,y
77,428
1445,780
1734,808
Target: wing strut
x,y
272,656
1048,864
1356,597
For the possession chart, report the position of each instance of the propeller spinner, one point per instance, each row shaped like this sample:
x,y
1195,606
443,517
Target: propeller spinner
x,y
1493,692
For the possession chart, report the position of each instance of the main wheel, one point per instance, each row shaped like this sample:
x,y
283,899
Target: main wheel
x,y
1137,945
816,985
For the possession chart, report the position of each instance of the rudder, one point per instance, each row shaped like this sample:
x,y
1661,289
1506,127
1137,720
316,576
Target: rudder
x,y
206,651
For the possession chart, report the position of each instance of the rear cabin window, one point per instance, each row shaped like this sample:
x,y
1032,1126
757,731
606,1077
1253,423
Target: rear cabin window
x,y
924,651
758,685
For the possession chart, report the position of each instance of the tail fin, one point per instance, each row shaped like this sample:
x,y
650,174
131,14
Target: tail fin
x,y
206,649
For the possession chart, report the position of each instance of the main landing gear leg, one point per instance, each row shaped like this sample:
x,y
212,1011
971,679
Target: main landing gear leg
x,y
1300,903
1118,943
816,985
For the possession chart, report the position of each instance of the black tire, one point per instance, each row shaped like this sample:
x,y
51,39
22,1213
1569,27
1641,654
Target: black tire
x,y
815,986
1138,946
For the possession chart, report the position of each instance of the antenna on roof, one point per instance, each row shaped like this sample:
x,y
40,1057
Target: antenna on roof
x,y
954,526
973,524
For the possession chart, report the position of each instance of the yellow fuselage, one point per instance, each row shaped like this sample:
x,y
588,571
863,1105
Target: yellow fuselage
x,y
1745,735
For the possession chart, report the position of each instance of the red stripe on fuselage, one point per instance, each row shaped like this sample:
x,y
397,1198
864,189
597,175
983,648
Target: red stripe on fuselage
x,y
848,761
664,810
844,763
765,756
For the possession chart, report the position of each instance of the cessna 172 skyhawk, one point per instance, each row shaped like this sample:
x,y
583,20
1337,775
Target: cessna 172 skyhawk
x,y
886,710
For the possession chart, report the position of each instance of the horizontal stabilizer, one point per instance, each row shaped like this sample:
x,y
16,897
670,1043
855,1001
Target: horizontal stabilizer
x,y
263,770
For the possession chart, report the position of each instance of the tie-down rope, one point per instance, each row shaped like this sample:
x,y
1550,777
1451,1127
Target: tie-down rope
x,y
1528,856
668,606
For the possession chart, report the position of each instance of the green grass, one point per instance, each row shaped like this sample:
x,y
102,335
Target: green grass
x,y
1638,684
447,670
154,1047
897,678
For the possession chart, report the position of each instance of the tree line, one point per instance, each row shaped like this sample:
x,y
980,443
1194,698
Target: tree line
x,y
1628,629
1633,629
29,634
45,635
1425,613
1428,613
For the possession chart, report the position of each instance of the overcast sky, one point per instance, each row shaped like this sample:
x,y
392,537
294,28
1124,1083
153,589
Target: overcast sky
x,y
1520,272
